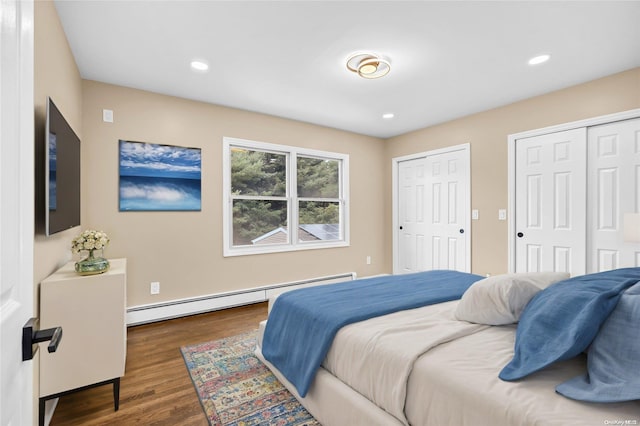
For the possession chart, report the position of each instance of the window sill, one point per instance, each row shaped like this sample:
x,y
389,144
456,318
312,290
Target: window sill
x,y
252,250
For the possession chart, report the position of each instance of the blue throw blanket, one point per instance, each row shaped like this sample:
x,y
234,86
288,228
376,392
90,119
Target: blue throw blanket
x,y
303,323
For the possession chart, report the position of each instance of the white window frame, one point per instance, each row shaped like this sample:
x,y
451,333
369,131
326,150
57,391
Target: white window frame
x,y
292,198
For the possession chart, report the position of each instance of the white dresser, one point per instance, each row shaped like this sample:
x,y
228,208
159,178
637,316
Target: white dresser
x,y
92,313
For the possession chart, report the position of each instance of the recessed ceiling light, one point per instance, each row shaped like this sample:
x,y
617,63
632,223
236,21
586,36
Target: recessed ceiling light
x,y
388,115
368,65
199,65
540,59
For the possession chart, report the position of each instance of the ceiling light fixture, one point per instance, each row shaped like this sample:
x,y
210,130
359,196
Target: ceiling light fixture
x,y
540,59
368,65
198,65
388,115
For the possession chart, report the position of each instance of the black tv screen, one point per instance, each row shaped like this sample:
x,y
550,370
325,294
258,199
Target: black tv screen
x,y
62,175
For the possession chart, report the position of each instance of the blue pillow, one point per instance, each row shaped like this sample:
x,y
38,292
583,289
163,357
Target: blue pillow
x,y
613,361
562,320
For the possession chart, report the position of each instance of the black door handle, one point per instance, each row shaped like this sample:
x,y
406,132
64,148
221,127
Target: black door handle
x,y
462,231
520,234
31,334
401,227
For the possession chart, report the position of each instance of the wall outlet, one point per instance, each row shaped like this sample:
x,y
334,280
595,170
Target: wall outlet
x,y
502,214
475,215
155,287
107,115
368,260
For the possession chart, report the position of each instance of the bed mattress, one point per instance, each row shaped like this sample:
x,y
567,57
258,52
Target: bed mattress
x,y
455,380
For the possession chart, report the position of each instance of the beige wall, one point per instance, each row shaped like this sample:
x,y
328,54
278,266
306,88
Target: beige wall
x,y
487,133
55,75
183,250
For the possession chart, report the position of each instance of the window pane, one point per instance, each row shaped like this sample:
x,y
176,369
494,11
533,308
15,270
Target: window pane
x,y
318,178
319,221
259,222
258,173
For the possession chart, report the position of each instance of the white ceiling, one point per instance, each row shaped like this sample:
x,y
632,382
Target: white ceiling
x,y
448,59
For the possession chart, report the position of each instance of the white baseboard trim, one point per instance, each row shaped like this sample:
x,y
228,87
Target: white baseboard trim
x,y
49,408
143,314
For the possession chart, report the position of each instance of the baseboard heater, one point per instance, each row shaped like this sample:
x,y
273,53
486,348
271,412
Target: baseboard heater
x,y
143,314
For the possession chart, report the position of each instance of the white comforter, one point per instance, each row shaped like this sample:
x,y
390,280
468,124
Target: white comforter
x,y
426,368
376,357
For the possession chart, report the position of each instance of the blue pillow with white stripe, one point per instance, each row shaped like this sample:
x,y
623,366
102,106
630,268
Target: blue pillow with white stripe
x,y
561,321
613,360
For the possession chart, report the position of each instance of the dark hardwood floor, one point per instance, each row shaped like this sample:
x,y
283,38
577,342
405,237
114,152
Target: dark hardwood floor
x,y
156,388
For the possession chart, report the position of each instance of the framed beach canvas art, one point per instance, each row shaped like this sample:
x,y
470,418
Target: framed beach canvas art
x,y
157,177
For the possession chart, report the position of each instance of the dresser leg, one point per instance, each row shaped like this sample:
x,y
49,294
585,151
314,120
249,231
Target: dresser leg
x,y
116,393
41,405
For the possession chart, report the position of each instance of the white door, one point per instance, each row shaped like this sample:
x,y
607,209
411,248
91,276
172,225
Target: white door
x,y
447,210
16,208
614,189
550,199
433,211
411,212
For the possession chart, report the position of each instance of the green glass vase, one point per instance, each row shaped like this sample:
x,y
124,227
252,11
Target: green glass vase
x,y
92,265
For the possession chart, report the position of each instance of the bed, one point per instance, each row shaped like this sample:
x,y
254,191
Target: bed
x,y
481,353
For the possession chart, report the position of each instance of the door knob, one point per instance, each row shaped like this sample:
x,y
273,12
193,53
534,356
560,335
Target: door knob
x,y
520,234
462,231
401,227
31,334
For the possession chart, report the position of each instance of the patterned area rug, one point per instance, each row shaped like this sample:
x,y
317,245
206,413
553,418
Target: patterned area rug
x,y
235,388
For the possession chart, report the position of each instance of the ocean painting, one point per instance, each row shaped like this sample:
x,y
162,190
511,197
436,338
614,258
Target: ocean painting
x,y
159,177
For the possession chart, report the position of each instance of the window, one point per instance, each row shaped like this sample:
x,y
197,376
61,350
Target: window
x,y
270,190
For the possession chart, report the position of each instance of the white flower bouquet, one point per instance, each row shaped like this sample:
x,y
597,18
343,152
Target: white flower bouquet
x,y
89,240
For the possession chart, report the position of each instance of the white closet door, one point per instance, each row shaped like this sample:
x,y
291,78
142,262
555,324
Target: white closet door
x,y
550,203
614,189
411,214
434,212
448,210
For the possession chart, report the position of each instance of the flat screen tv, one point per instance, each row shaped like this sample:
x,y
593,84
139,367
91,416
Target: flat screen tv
x,y
62,173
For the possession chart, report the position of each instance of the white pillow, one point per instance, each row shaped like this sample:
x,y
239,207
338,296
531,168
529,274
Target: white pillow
x,y
501,299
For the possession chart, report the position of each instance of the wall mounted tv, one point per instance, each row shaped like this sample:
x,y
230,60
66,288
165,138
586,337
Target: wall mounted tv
x,y
62,173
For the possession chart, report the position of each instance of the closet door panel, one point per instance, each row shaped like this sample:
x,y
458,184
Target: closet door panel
x,y
614,189
447,190
550,202
411,210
